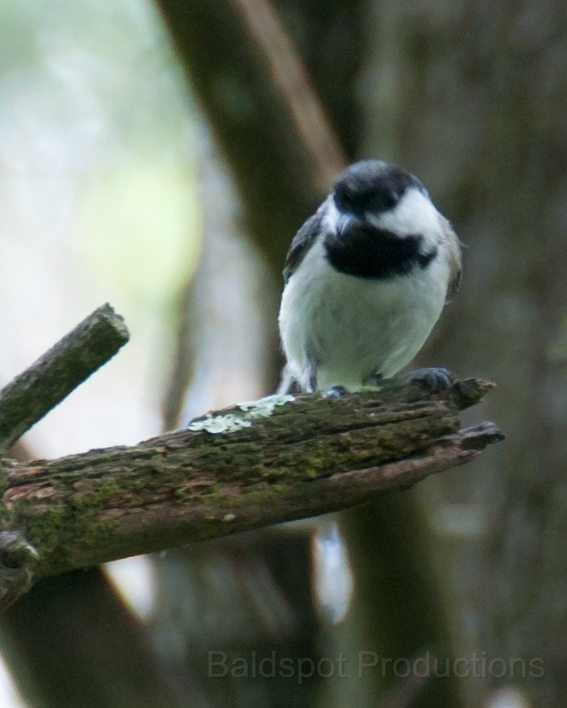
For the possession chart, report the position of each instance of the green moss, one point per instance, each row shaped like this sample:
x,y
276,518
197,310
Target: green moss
x,y
92,530
44,532
207,494
94,492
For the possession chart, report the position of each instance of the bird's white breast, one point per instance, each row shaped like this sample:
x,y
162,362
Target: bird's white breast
x,y
352,327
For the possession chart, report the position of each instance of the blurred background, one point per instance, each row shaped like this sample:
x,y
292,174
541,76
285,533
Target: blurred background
x,y
160,156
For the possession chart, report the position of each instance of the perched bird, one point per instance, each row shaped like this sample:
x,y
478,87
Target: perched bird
x,y
366,279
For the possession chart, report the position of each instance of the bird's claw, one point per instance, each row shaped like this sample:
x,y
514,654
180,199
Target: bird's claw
x,y
334,392
435,378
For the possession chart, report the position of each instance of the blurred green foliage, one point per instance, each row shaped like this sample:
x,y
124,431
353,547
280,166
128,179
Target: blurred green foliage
x,y
92,93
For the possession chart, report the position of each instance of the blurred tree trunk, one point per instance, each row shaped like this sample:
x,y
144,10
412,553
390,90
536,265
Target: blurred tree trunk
x,y
246,597
251,596
477,98
71,643
275,174
275,181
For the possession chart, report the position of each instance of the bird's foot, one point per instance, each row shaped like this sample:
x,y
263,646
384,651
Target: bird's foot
x,y
374,379
435,378
334,392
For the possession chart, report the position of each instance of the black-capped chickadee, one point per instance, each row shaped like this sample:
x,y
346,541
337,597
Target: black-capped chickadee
x,y
366,279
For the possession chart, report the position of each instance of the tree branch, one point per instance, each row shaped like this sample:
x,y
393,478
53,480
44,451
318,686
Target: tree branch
x,y
290,77
31,395
277,459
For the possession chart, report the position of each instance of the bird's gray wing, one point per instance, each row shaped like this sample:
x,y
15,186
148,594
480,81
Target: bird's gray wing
x,y
454,246
302,242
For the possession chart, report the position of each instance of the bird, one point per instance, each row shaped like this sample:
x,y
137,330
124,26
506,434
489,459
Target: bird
x,y
366,279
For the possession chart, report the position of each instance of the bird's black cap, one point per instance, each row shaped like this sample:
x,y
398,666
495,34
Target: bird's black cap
x,y
372,186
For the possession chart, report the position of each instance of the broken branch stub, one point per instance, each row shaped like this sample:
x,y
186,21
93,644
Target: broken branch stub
x,y
32,394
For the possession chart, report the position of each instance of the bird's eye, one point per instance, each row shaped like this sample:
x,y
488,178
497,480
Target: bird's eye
x,y
385,200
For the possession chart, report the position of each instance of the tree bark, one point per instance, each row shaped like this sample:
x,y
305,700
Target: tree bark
x,y
253,465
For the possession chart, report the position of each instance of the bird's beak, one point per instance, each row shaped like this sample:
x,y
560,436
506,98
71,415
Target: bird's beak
x,y
344,223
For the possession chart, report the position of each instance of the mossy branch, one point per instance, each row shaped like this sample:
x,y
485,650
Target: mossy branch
x,y
25,400
277,459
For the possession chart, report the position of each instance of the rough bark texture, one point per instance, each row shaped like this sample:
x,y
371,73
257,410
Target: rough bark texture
x,y
27,398
239,469
477,109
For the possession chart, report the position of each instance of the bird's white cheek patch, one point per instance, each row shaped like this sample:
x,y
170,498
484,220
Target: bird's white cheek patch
x,y
414,214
